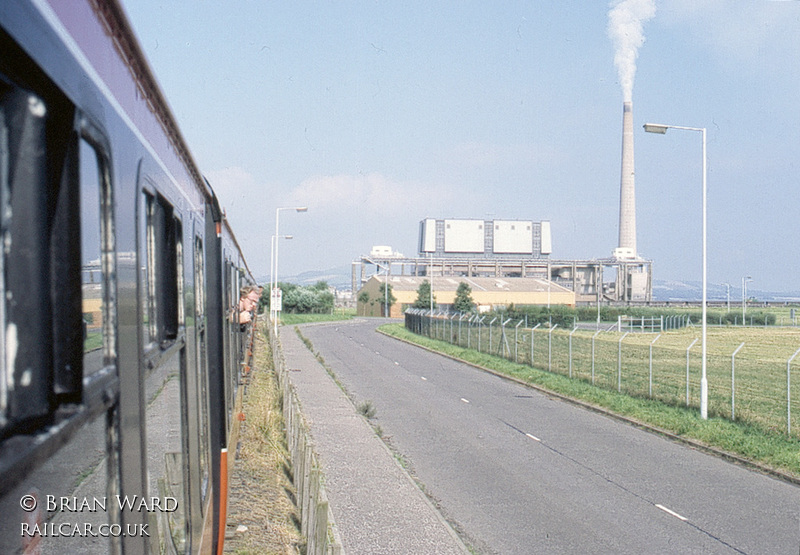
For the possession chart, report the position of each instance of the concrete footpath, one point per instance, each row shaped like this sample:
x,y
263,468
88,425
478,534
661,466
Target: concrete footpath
x,y
376,505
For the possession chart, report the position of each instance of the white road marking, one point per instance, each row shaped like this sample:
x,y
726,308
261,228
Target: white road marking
x,y
397,364
424,378
673,513
534,438
465,400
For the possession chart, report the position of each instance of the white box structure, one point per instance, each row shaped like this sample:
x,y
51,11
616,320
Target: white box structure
x,y
464,236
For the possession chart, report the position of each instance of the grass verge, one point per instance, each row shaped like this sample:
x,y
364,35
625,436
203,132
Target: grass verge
x,y
262,494
294,319
773,452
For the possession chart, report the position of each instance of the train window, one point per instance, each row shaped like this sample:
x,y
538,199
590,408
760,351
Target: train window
x,y
161,273
177,230
147,269
57,333
25,397
201,375
93,305
199,286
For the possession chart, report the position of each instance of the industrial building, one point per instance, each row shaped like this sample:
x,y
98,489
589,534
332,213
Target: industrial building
x,y
488,293
509,249
521,250
486,239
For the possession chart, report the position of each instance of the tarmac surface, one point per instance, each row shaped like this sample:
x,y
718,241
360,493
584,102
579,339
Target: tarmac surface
x,y
376,505
520,471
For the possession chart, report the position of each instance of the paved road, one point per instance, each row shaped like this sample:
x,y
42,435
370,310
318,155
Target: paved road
x,y
376,506
518,472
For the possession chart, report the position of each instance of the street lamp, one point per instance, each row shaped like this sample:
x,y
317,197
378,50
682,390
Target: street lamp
x,y
273,291
661,130
430,271
744,298
274,261
728,285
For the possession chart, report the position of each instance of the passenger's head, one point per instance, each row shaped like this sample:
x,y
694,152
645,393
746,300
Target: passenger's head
x,y
248,299
254,295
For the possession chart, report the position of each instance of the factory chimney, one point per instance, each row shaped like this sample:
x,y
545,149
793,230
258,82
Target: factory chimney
x,y
627,190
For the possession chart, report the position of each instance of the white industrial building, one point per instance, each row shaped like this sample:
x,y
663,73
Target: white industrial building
x,y
484,238
508,249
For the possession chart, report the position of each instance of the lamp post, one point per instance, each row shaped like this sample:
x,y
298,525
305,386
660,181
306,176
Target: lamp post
x,y
274,292
430,271
274,261
662,129
744,298
728,285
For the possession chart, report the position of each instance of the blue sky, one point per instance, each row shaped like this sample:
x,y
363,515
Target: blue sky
x,y
379,114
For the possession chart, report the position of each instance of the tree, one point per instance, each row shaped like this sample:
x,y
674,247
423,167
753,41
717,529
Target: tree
x,y
321,286
424,296
384,296
463,301
316,299
363,298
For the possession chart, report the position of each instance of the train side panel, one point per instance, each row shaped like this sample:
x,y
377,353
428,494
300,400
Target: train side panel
x,y
121,360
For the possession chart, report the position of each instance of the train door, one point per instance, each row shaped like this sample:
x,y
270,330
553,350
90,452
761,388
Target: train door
x,y
198,398
58,312
164,369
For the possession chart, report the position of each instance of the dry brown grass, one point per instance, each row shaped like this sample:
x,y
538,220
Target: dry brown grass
x,y
261,493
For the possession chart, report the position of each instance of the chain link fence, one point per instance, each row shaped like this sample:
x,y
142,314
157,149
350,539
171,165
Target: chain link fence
x,y
750,370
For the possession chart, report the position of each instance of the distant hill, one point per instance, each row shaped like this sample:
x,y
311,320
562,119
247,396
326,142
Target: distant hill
x,y
671,290
339,277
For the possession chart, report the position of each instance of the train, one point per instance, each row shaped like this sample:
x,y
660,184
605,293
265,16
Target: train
x,y
121,356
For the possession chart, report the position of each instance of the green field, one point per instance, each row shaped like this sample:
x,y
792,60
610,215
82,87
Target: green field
x,y
622,383
288,319
758,375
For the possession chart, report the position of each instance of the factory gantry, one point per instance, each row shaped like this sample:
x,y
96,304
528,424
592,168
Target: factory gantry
x,y
508,249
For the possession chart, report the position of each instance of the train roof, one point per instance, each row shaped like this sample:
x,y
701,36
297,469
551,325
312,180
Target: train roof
x,y
93,28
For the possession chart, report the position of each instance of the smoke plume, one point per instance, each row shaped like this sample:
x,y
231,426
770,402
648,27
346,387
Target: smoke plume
x,y
625,20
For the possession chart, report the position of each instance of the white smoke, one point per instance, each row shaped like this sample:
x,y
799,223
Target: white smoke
x,y
625,20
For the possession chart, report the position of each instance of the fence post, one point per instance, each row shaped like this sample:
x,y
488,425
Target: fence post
x,y
550,348
789,393
504,339
570,350
687,369
619,363
516,342
651,364
532,330
733,382
490,335
593,337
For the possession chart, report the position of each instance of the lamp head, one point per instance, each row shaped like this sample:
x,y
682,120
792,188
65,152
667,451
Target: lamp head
x,y
656,128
